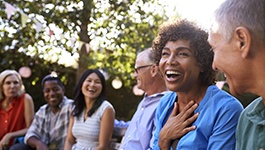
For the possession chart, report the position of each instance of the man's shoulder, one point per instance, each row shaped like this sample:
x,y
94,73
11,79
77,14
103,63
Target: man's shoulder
x,y
68,101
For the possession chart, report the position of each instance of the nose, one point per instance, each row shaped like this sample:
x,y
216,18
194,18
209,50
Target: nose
x,y
92,83
135,74
214,67
172,59
12,85
51,92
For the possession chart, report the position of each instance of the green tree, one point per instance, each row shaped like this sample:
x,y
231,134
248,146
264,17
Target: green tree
x,y
115,30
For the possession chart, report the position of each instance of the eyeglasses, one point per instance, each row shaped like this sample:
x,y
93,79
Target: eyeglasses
x,y
137,68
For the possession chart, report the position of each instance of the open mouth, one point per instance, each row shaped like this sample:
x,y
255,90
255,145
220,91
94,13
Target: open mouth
x,y
172,74
91,90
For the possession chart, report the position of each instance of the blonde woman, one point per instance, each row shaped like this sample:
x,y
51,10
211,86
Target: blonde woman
x,y
16,108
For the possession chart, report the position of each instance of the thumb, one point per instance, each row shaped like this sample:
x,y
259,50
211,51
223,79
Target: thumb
x,y
175,110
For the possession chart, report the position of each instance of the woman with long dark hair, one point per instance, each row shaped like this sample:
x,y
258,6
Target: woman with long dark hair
x,y
92,120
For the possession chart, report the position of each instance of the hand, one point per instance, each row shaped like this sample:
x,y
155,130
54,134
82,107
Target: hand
x,y
5,140
41,146
178,124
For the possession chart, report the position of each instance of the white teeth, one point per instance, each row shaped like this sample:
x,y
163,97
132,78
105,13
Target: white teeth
x,y
91,90
172,73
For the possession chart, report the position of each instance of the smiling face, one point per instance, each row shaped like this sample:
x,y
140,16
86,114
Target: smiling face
x,y
179,67
142,72
228,60
92,86
53,94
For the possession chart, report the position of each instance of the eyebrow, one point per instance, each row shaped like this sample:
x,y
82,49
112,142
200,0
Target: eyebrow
x,y
179,48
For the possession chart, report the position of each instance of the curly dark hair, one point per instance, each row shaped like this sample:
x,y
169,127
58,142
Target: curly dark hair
x,y
186,30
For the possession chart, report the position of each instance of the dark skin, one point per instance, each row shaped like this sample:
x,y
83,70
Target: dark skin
x,y
178,57
53,94
180,121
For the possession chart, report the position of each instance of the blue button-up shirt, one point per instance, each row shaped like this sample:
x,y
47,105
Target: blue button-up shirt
x,y
140,131
215,125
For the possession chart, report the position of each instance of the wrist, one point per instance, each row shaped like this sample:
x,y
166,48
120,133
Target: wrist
x,y
164,143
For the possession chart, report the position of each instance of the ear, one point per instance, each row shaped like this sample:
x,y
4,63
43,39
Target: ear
x,y
154,70
244,40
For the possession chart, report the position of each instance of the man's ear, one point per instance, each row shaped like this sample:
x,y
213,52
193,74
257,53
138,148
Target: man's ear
x,y
154,70
243,37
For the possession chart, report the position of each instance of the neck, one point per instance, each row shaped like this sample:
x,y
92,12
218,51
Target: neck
x,y
196,95
158,86
55,109
6,102
89,103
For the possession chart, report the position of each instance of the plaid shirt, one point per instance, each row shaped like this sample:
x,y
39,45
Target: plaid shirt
x,y
41,125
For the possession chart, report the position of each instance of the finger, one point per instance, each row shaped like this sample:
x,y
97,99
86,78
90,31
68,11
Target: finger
x,y
190,120
188,112
188,129
175,110
189,105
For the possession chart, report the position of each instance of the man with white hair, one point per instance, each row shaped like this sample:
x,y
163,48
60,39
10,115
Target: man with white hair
x,y
237,37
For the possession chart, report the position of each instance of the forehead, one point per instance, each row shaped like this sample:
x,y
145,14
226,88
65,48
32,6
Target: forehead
x,y
93,76
178,43
51,83
142,59
214,38
11,78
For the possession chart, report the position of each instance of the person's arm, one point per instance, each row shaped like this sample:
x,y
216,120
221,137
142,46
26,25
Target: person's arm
x,y
34,133
177,125
70,139
106,129
28,114
224,129
29,110
34,142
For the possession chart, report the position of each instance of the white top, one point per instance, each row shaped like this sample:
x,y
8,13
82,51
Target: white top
x,y
87,132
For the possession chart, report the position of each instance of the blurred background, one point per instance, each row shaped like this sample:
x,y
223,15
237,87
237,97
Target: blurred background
x,y
39,37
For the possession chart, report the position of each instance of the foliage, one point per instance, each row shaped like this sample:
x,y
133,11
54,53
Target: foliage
x,y
40,68
115,30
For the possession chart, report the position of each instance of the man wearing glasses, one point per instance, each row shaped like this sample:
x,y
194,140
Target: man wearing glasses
x,y
139,133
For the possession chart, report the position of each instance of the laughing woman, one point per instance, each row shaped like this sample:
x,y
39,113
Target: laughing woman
x,y
92,120
196,114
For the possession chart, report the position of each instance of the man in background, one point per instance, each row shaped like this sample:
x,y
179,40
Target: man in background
x,y
49,128
139,133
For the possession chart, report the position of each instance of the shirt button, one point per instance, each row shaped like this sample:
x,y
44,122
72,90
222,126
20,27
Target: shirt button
x,y
5,121
142,108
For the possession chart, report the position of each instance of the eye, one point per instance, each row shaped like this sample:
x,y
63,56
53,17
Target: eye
x,y
183,54
46,90
56,89
88,80
8,83
164,53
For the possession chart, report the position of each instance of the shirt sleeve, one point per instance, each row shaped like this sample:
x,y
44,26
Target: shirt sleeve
x,y
223,136
35,127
